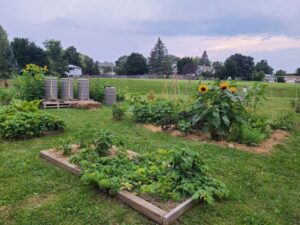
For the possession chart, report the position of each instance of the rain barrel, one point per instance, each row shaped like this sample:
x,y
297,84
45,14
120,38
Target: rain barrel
x,y
83,89
110,95
67,89
51,88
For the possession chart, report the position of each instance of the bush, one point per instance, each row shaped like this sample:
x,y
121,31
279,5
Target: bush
x,y
97,90
7,95
284,122
24,120
118,113
31,83
246,134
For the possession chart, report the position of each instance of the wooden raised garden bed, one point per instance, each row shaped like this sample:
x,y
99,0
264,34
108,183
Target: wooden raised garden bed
x,y
147,208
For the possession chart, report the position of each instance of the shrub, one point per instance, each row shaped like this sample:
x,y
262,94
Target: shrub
x,y
246,134
284,122
31,82
103,142
7,95
97,90
118,113
24,120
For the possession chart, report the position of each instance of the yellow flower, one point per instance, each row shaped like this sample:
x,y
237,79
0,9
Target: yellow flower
x,y
202,89
224,85
232,90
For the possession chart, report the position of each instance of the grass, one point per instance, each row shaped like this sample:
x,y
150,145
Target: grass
x,y
264,188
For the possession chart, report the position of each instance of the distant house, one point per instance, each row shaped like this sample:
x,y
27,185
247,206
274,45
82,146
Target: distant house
x,y
270,78
292,78
202,69
106,67
74,71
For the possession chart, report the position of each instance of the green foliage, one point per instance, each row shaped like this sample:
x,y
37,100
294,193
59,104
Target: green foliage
x,y
7,61
258,76
204,61
184,126
245,134
118,113
186,65
284,122
65,146
27,52
159,60
103,142
296,105
7,95
163,174
97,90
89,66
217,110
263,66
24,120
120,65
72,56
136,64
240,66
30,84
254,95
280,74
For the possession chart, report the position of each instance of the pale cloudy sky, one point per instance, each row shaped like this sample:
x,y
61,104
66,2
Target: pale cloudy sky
x,y
107,29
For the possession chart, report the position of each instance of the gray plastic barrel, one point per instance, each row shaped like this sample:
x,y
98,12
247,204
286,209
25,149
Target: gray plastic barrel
x,y
67,89
83,89
51,88
110,95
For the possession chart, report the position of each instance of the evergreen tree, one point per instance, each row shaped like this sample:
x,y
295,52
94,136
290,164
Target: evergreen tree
x,y
159,61
204,61
7,61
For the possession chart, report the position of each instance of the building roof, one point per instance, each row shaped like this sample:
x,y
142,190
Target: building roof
x,y
73,66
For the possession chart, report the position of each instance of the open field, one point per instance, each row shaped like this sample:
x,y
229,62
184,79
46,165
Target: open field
x,y
264,188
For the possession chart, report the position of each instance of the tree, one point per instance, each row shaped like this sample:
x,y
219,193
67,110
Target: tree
x,y
264,67
27,52
239,65
204,61
298,71
280,74
120,65
219,70
258,76
186,65
136,64
159,61
7,61
89,67
55,53
72,56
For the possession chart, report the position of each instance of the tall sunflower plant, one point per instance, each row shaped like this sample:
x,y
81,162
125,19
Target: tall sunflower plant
x,y
217,108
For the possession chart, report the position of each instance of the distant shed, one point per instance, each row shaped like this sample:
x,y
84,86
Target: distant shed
x,y
74,71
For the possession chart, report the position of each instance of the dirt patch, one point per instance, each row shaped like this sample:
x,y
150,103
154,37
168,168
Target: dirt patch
x,y
167,205
38,200
277,137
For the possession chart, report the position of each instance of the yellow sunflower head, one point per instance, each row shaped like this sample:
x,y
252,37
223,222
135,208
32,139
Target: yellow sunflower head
x,y
232,90
202,89
224,85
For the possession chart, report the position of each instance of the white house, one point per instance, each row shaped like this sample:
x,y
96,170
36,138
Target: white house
x,y
106,67
74,71
202,69
270,78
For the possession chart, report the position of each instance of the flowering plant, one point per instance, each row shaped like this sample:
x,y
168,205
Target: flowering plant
x,y
217,108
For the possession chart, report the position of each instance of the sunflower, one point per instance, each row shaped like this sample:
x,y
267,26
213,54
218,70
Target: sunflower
x,y
232,90
224,85
202,89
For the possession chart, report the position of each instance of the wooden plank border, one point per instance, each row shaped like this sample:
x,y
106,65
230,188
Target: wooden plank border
x,y
151,211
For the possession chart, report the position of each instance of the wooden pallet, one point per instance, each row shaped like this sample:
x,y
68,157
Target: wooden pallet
x,y
56,104
151,211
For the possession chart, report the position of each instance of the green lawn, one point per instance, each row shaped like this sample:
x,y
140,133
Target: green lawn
x,y
265,189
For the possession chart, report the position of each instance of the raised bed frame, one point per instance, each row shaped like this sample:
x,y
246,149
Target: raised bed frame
x,y
151,211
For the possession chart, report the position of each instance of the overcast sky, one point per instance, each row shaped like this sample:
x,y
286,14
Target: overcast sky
x,y
107,29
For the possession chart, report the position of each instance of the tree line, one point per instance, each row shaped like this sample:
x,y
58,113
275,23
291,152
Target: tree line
x,y
16,54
